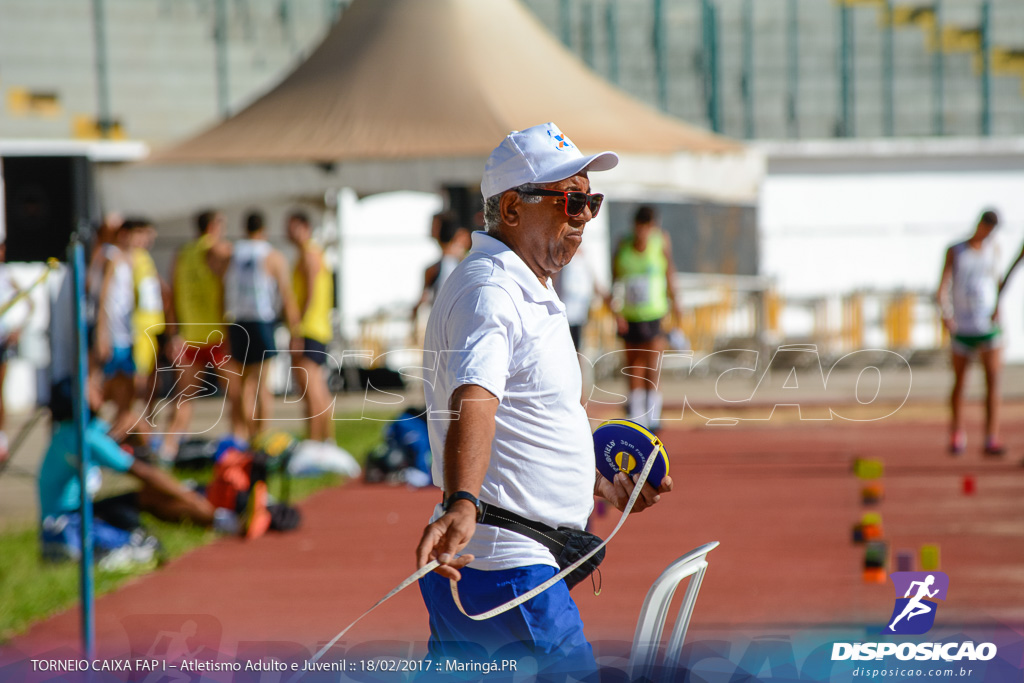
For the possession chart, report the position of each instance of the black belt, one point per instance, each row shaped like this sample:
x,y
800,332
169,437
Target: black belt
x,y
549,537
565,544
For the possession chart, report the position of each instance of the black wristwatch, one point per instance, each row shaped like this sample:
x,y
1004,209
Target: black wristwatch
x,y
463,495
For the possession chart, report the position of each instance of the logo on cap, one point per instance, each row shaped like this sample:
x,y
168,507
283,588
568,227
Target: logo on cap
x,y
562,142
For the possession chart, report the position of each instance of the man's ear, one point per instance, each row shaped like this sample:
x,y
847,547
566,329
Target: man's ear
x,y
510,204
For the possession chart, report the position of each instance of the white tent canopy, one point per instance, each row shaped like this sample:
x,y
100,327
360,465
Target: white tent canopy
x,y
412,95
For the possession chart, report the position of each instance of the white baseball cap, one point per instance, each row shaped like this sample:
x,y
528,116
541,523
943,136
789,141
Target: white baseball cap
x,y
541,154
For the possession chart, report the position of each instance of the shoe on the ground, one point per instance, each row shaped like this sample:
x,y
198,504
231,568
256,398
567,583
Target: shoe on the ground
x,y
957,443
994,448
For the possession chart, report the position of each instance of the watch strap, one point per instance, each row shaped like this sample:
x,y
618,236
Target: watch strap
x,y
462,495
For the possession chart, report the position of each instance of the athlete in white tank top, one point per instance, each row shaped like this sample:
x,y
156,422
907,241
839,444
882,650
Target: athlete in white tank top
x,y
975,286
119,299
250,290
968,298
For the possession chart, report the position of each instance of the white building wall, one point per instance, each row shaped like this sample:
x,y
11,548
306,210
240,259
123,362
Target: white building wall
x,y
887,225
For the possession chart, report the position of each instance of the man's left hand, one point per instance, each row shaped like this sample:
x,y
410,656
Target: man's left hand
x,y
617,492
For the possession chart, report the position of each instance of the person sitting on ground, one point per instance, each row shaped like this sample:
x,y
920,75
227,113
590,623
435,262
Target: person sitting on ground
x,y
117,517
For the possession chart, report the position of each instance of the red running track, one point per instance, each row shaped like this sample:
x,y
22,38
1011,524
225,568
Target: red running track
x,y
781,500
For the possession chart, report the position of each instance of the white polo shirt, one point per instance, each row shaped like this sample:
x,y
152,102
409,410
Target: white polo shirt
x,y
495,325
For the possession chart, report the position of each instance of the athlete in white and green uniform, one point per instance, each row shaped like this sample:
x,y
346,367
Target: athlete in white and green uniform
x,y
971,279
643,264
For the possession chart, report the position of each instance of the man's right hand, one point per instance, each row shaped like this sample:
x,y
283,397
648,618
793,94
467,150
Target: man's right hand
x,y
447,536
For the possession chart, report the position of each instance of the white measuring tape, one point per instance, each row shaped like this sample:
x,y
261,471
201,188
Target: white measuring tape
x,y
511,604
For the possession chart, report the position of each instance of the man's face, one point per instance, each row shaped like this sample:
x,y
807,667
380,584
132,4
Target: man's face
x,y
216,228
298,231
123,238
549,237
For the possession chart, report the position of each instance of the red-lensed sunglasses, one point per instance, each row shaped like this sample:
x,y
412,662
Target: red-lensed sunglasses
x,y
575,200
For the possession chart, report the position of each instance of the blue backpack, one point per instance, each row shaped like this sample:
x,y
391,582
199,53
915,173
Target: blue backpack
x,y
406,444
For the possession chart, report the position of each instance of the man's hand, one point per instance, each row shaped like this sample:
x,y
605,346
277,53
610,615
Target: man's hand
x,y
447,536
617,492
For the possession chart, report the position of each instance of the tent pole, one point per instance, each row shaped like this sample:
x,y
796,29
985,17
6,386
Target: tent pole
x,y
343,213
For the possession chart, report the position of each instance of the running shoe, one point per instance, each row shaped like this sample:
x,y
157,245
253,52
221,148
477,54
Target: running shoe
x,y
994,448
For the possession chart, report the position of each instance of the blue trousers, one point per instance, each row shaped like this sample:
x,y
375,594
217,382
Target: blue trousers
x,y
545,632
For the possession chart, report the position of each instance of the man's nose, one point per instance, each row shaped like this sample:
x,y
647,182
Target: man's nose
x,y
586,215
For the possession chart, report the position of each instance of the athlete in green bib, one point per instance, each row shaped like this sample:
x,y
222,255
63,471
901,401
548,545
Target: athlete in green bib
x,y
643,264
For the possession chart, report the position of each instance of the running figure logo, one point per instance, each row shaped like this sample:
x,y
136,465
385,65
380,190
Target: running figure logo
x,y
914,613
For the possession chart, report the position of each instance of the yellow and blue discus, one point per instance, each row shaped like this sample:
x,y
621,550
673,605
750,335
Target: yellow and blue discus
x,y
623,446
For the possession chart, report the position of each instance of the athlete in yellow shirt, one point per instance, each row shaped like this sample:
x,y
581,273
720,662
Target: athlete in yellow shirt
x,y
314,294
643,263
199,342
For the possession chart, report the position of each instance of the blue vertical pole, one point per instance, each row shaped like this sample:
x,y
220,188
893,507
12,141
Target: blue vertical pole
x,y
793,80
938,116
104,119
845,71
76,257
986,70
588,36
565,21
613,42
889,94
747,81
220,38
709,36
660,65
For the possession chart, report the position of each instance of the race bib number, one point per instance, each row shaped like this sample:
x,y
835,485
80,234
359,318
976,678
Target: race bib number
x,y
638,290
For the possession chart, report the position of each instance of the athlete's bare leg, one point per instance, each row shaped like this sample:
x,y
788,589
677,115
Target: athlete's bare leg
x,y
991,360
311,381
956,398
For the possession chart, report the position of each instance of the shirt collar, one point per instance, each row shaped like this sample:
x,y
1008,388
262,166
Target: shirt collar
x,y
516,268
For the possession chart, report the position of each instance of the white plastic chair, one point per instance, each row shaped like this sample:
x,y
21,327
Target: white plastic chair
x,y
651,623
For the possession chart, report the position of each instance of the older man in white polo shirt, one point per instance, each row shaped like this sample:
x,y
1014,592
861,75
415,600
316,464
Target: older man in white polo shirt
x,y
507,428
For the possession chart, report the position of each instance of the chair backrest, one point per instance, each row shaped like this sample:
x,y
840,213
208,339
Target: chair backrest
x,y
651,623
